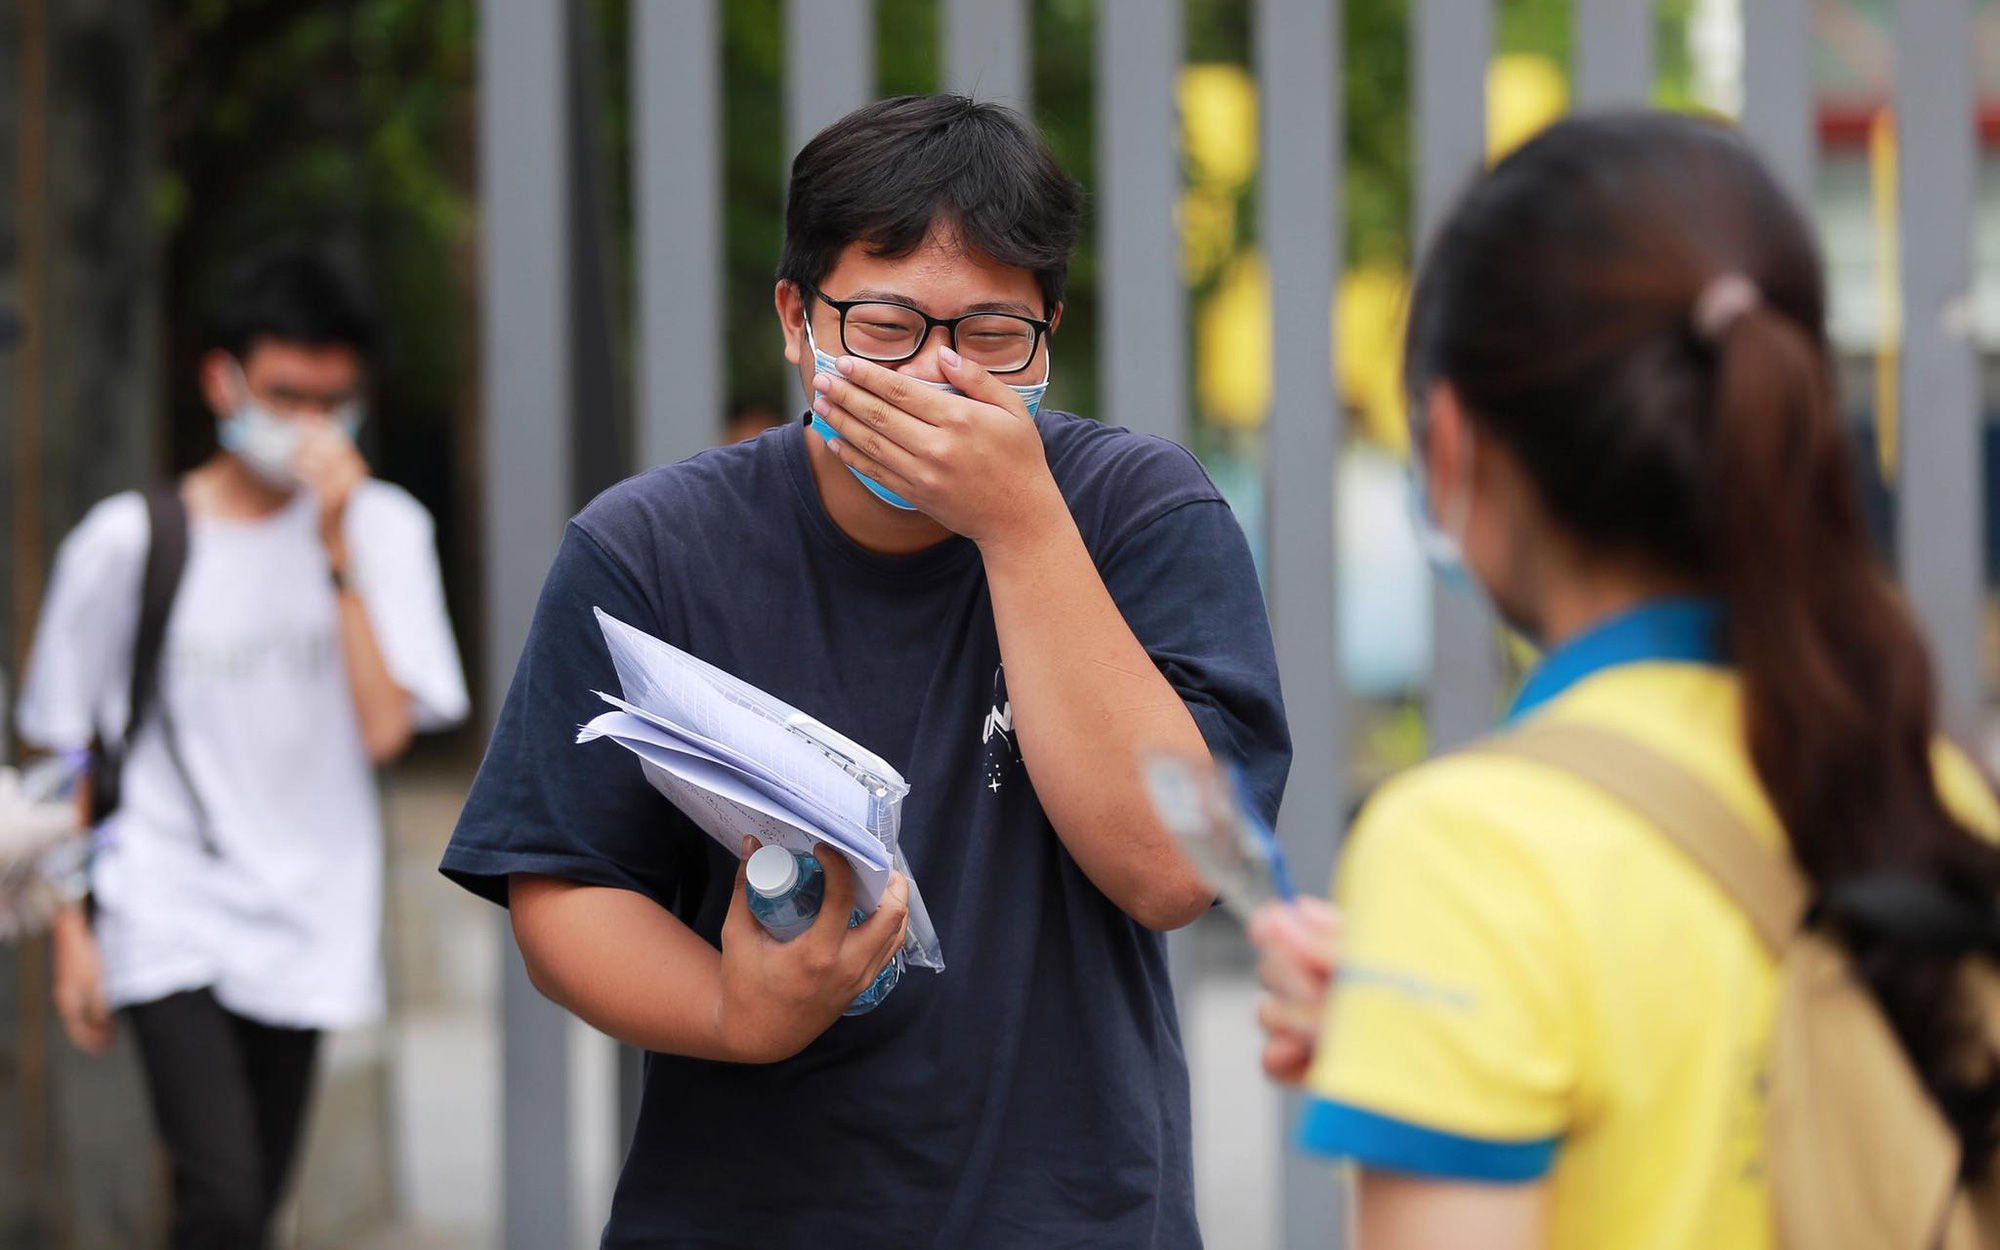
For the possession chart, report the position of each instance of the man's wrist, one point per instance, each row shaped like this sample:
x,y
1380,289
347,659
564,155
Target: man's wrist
x,y
1032,529
71,921
733,1048
339,563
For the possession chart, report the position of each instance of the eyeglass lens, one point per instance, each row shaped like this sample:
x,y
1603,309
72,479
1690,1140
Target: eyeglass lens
x,y
891,332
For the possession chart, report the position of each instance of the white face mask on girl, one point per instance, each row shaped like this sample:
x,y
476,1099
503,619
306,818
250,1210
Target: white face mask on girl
x,y
268,441
1442,539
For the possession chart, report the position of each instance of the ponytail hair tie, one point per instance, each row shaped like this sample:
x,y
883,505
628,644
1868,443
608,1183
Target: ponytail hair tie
x,y
1722,304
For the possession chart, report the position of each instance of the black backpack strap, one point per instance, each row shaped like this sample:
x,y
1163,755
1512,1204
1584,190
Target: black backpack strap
x,y
166,560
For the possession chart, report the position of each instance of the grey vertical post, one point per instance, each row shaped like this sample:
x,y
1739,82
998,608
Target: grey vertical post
x,y
1777,90
678,125
1298,73
525,477
1452,45
1144,304
1940,506
829,63
986,50
829,72
1614,52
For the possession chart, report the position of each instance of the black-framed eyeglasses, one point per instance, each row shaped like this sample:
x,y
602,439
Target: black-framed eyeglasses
x,y
889,333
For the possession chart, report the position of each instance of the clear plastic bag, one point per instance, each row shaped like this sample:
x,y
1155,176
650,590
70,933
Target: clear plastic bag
x,y
44,850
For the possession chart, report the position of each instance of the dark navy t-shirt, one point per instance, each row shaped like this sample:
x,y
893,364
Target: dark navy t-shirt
x,y
1034,1094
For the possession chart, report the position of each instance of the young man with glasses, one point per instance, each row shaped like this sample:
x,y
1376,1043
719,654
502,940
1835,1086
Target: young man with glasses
x,y
1005,601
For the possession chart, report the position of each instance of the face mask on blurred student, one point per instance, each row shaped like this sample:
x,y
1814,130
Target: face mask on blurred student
x,y
267,440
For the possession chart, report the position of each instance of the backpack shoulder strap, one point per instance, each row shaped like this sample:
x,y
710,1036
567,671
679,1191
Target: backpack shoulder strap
x,y
1768,888
166,559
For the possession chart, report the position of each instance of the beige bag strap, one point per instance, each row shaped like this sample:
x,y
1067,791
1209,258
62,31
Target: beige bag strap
x,y
1769,889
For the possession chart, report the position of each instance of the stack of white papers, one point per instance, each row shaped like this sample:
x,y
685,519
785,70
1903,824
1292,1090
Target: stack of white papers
x,y
738,761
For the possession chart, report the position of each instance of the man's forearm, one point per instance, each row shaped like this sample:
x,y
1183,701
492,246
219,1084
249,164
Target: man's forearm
x,y
71,921
1087,699
621,963
380,705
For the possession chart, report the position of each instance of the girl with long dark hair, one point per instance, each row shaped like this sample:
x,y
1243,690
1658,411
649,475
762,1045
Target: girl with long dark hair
x,y
1549,1026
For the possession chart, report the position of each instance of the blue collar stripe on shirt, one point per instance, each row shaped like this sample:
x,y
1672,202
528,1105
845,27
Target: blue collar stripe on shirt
x,y
1337,1130
1686,630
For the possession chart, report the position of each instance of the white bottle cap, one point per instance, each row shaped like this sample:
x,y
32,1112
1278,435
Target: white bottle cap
x,y
773,872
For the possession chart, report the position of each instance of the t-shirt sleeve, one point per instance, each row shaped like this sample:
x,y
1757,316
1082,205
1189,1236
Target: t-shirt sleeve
x,y
81,662
541,802
1450,1044
397,565
1188,589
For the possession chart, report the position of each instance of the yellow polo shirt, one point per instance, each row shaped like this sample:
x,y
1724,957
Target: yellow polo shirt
x,y
1536,984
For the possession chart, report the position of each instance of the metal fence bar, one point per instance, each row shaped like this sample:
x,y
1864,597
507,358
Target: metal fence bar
x,y
1139,175
986,50
678,126
1614,52
829,72
829,63
1452,44
525,360
1298,72
1777,90
1940,504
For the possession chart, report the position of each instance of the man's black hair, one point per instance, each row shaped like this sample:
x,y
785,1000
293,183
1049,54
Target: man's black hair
x,y
293,294
886,173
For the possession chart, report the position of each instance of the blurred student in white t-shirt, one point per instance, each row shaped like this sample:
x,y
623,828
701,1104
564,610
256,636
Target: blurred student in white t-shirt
x,y
236,891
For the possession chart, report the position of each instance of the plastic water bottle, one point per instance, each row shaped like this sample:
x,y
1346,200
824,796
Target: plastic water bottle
x,y
786,891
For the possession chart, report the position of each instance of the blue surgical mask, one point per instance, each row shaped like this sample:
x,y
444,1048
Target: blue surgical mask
x,y
1442,541
823,363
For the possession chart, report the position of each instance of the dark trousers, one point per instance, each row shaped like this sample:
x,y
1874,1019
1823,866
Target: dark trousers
x,y
229,1098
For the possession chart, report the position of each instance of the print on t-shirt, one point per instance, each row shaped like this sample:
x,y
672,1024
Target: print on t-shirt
x,y
289,652
1000,762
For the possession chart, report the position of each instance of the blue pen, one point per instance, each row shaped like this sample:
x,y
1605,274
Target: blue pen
x,y
1267,842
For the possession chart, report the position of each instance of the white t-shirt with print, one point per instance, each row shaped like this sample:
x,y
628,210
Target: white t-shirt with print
x,y
269,888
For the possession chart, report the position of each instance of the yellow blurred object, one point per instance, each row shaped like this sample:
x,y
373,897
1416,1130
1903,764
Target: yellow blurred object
x,y
1525,91
1521,652
1218,106
1207,224
1233,346
1233,349
1368,352
1888,290
1219,125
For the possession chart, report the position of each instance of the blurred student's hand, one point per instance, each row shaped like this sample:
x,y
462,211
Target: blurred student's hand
x,y
329,465
79,983
778,996
1298,945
